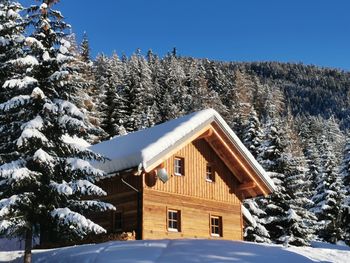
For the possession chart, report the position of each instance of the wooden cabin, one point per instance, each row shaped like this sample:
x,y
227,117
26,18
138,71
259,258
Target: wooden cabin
x,y
185,178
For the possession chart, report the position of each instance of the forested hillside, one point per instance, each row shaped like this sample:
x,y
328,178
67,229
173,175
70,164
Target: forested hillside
x,y
292,117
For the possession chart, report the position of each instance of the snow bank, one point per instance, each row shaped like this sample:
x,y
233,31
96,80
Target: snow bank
x,y
174,251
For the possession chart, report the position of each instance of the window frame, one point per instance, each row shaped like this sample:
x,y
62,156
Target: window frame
x,y
218,226
178,220
210,179
181,167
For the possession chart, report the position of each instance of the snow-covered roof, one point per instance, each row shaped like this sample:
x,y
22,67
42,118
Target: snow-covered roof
x,y
144,148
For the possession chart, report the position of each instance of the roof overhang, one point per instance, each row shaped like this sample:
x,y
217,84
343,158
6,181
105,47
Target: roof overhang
x,y
151,147
253,180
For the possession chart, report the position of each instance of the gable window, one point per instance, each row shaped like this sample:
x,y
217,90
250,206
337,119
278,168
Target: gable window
x,y
179,166
210,176
216,226
174,220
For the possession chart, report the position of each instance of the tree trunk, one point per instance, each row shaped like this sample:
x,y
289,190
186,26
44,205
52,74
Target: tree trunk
x,y
28,246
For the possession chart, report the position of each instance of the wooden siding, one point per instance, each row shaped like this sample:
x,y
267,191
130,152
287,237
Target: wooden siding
x,y
191,194
195,216
228,152
125,201
197,155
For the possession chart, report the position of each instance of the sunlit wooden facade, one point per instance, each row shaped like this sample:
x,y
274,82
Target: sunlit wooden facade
x,y
208,178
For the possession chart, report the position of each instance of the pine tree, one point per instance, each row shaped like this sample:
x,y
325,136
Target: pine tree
x,y
258,232
239,98
158,80
82,81
140,94
299,229
253,133
310,129
111,98
85,49
328,196
345,172
287,219
44,174
214,76
174,100
11,48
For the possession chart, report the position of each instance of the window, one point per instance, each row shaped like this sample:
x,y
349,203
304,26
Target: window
x,y
174,220
179,166
210,175
216,226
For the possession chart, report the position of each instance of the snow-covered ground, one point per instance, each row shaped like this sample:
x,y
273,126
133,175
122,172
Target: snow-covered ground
x,y
174,251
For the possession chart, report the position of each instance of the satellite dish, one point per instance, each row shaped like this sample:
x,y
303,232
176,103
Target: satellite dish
x,y
162,175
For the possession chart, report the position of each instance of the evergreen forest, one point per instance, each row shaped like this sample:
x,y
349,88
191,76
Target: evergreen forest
x,y
55,97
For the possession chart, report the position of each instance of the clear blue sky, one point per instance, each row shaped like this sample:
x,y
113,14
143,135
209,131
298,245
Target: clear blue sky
x,y
309,31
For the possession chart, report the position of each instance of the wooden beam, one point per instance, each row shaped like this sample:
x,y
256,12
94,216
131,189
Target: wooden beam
x,y
223,157
246,186
239,161
206,134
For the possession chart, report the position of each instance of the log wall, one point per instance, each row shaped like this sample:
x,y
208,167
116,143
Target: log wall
x,y
197,155
195,216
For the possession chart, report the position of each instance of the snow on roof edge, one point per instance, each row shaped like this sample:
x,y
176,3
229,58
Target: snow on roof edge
x,y
182,139
183,128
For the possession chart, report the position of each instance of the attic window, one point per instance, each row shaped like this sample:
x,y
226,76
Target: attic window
x,y
179,166
210,176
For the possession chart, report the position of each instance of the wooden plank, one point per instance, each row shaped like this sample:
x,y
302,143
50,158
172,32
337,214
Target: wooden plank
x,y
261,188
177,148
195,215
246,185
197,154
239,161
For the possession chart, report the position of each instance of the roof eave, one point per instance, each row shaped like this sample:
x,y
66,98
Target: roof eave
x,y
256,166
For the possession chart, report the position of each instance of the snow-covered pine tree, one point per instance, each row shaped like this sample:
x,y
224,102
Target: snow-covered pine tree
x,y
110,95
120,112
140,94
85,49
271,157
257,232
253,133
197,87
200,95
240,101
310,129
253,139
11,47
174,99
329,195
157,76
82,81
215,77
287,219
345,173
299,229
44,174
